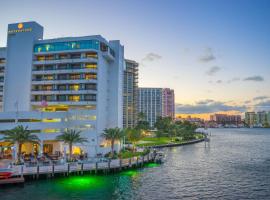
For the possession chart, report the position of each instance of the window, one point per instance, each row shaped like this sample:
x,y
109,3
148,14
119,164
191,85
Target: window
x,y
61,98
74,98
90,97
91,55
62,46
75,87
40,58
75,76
61,87
90,65
90,76
103,47
90,86
60,67
47,87
48,77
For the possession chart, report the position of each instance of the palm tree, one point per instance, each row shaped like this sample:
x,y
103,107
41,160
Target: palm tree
x,y
112,134
18,136
134,135
70,137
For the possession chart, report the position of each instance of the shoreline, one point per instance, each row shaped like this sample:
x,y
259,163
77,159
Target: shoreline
x,y
177,144
36,173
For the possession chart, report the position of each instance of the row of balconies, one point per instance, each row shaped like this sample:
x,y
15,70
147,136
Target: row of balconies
x,y
79,76
65,87
67,66
64,97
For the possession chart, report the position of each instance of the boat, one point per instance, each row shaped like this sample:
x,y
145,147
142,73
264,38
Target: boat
x,y
5,173
159,157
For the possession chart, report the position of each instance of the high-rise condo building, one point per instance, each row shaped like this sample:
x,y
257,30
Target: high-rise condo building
x,y
130,94
54,84
156,102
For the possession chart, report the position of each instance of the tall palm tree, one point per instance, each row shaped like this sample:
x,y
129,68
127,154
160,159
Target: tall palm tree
x,y
112,134
18,136
70,137
134,135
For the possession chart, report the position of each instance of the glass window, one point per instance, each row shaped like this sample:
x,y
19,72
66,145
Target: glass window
x,y
62,46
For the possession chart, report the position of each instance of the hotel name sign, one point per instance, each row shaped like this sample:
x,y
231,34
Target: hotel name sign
x,y
20,29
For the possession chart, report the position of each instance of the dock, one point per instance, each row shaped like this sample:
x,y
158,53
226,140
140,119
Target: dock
x,y
21,173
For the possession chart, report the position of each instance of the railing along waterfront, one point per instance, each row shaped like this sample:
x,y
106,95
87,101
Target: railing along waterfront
x,y
118,164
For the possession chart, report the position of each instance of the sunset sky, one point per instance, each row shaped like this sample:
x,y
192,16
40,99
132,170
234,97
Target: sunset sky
x,y
214,54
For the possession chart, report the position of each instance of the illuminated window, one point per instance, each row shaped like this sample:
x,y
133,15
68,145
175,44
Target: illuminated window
x,y
74,87
40,58
91,55
90,66
74,98
48,77
90,76
75,76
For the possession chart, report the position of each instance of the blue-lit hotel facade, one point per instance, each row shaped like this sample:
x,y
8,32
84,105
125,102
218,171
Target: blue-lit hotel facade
x,y
54,84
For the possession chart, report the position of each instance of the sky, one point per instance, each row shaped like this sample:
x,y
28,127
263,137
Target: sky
x,y
214,54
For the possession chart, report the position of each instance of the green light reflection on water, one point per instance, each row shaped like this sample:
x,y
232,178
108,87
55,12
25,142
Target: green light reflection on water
x,y
82,182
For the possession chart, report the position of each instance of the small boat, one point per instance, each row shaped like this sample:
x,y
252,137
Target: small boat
x,y
160,157
5,173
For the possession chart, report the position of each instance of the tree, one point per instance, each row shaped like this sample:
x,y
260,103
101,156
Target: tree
x,y
142,124
163,124
70,137
113,134
133,136
18,136
173,130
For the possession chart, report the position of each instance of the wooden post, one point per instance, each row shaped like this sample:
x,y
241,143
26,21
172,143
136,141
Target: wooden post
x,y
21,170
120,164
109,164
82,169
96,169
68,169
129,162
147,157
53,170
37,171
137,161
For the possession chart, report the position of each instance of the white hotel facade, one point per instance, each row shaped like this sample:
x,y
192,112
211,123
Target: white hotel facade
x,y
50,85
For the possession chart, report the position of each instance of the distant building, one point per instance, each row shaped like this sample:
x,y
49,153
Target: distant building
x,y
156,102
130,94
259,119
250,118
224,119
168,103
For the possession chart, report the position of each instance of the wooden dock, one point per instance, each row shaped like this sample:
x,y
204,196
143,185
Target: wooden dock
x,y
15,180
36,172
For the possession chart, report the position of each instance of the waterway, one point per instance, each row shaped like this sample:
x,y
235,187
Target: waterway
x,y
234,165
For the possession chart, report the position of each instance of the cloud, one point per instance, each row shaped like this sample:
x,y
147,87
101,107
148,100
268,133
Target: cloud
x,y
260,98
219,81
213,70
264,105
150,57
208,56
207,106
235,79
254,78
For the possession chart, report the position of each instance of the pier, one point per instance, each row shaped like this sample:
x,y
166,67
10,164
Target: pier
x,y
22,172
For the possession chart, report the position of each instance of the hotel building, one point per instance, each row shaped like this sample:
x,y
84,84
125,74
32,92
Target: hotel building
x,y
156,102
130,94
54,84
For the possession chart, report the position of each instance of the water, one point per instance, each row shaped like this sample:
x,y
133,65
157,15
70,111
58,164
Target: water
x,y
235,165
